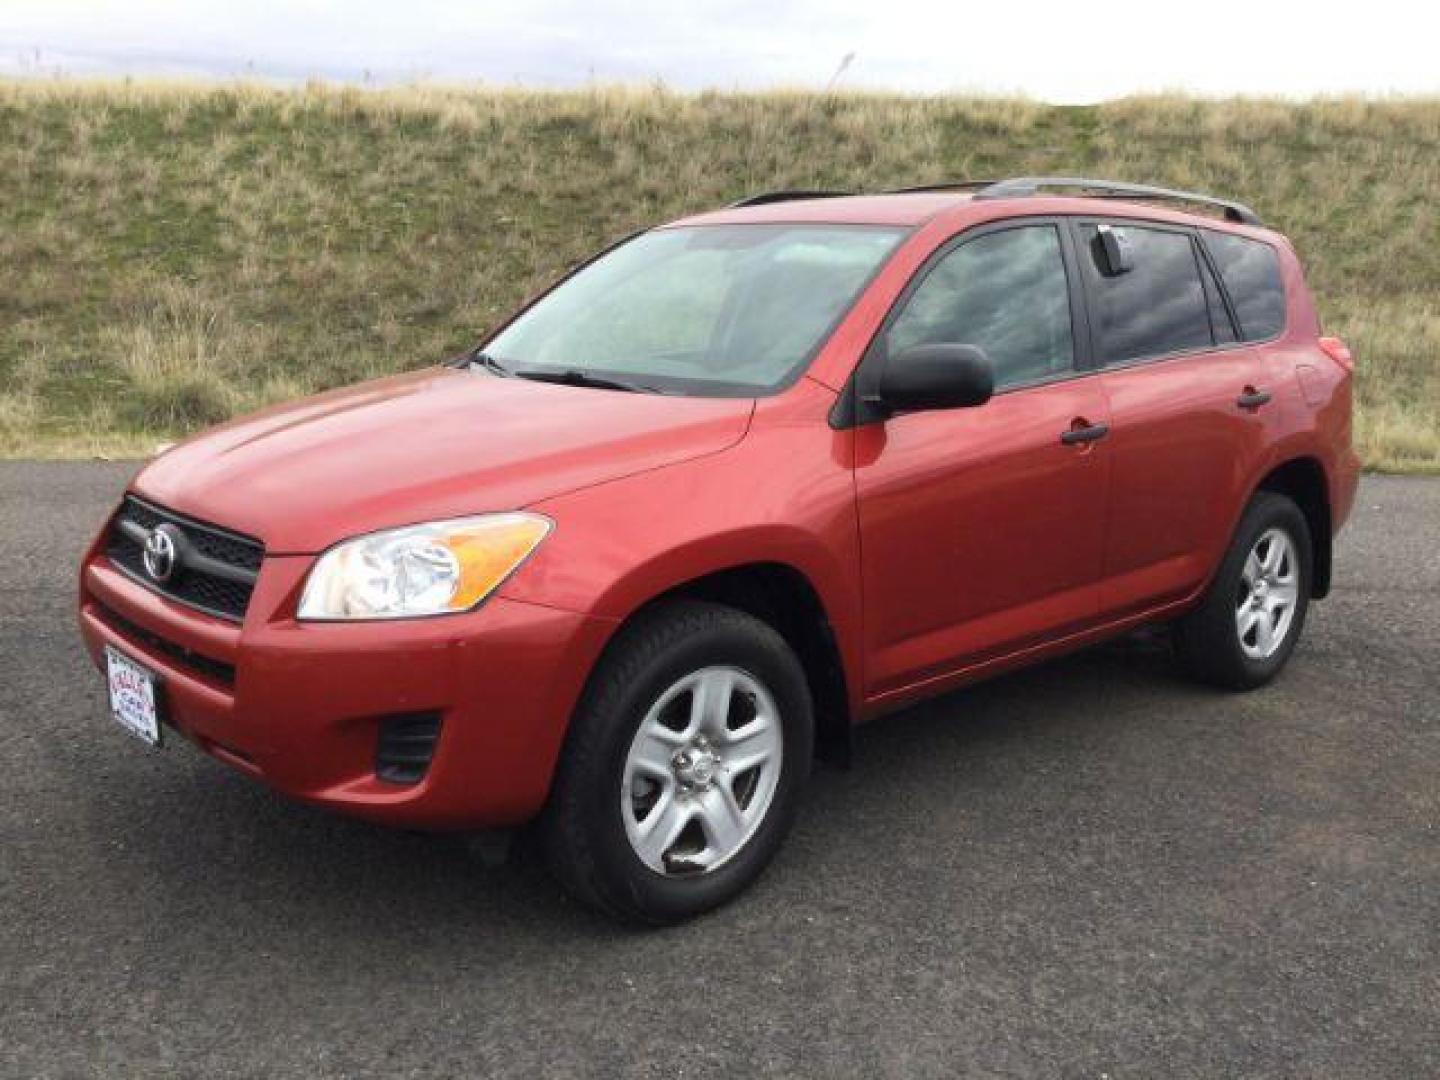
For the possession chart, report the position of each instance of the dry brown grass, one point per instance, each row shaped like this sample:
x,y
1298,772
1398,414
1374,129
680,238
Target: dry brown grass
x,y
172,253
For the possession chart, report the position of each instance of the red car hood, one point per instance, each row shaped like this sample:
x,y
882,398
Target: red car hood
x,y
425,446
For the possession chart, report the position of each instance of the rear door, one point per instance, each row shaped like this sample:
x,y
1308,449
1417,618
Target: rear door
x,y
981,528
1186,402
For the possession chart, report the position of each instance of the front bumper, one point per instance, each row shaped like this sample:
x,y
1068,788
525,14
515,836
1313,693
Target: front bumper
x,y
300,705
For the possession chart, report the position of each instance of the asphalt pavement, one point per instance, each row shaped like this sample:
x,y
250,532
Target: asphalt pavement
x,y
1090,869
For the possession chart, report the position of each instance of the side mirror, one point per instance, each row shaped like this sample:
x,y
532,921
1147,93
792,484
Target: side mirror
x,y
937,377
1112,251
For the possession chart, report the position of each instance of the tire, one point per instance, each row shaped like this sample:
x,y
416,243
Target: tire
x,y
1251,616
645,757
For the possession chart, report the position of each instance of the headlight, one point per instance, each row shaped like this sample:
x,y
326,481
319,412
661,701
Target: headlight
x,y
433,569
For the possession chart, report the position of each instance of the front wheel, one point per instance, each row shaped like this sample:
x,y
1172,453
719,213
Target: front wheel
x,y
1250,618
684,764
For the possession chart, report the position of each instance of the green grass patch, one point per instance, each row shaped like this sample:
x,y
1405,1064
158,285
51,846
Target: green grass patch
x,y
173,254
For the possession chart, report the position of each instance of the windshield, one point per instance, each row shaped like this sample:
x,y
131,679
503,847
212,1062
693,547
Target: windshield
x,y
712,309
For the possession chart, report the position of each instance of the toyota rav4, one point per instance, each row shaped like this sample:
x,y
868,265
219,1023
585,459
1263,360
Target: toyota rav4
x,y
730,488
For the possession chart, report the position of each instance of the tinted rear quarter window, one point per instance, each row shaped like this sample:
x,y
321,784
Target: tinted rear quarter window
x,y
1155,308
1251,272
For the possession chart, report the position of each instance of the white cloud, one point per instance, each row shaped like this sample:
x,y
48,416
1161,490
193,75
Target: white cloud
x,y
1060,51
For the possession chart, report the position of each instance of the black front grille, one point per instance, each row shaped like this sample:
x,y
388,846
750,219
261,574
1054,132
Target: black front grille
x,y
215,670
406,745
215,569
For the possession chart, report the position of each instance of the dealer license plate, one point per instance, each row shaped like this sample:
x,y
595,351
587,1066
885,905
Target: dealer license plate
x,y
134,696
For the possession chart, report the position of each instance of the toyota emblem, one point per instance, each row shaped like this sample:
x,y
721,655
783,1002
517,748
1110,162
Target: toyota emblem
x,y
161,553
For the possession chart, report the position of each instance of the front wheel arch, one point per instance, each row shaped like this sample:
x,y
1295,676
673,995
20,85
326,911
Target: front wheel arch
x,y
783,597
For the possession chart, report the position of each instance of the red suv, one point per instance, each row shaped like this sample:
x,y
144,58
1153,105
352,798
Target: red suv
x,y
732,487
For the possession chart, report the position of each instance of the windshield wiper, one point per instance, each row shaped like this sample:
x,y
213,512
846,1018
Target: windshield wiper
x,y
488,362
575,377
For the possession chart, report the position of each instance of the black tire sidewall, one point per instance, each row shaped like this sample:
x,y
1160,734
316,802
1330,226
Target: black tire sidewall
x,y
625,880
1217,630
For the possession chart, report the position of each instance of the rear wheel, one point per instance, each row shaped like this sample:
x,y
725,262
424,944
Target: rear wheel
x,y
1247,625
684,764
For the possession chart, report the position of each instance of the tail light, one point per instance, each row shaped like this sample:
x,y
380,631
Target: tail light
x,y
1338,351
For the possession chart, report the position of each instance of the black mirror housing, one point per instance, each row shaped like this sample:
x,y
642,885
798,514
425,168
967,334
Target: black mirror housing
x,y
1112,251
940,376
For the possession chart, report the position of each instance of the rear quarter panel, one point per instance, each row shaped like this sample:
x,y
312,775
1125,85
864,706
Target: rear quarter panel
x,y
1315,397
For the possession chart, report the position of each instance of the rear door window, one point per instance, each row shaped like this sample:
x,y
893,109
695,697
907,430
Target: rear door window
x,y
1251,272
1155,308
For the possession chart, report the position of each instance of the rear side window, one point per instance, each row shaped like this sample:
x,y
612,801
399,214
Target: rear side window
x,y
1251,272
1156,307
1004,291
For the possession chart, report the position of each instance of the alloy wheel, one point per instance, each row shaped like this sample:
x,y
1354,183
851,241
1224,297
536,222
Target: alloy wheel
x,y
702,771
1268,592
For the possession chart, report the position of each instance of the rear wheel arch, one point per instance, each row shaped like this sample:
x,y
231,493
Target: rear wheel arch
x,y
1303,481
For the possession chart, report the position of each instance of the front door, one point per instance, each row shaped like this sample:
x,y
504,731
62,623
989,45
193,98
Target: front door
x,y
981,529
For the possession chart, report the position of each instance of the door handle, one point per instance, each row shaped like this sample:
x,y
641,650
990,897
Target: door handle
x,y
1081,432
1252,398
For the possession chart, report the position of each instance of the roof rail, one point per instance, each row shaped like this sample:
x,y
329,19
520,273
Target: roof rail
x,y
785,196
944,185
1111,189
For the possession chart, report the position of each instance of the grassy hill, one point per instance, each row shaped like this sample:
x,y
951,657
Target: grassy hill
x,y
170,255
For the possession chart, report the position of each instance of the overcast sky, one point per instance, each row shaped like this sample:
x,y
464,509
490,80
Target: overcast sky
x,y
1064,52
